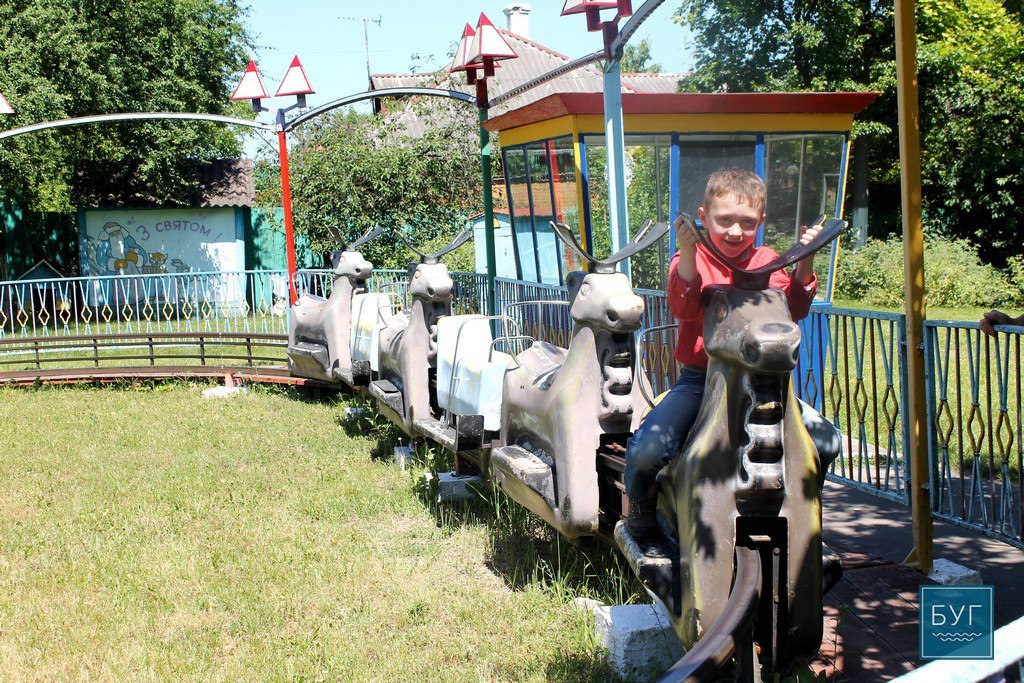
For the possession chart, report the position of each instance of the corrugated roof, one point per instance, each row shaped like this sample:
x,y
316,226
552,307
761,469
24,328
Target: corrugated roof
x,y
534,60
219,183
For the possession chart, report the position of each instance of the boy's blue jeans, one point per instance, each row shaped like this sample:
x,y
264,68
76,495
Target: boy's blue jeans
x,y
667,425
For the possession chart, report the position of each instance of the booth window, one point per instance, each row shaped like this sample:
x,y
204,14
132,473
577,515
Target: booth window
x,y
541,179
519,213
802,175
648,196
700,156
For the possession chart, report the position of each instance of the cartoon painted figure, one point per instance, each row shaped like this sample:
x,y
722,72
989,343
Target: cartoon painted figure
x,y
118,252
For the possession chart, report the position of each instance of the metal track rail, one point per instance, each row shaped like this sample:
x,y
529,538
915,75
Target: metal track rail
x,y
719,644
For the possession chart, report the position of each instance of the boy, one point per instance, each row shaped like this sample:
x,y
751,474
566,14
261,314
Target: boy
x,y
731,212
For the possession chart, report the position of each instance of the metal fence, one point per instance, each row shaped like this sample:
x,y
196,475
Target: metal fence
x,y
852,366
249,301
228,302
975,410
852,370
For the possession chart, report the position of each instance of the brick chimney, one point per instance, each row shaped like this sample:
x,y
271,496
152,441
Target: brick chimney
x,y
518,14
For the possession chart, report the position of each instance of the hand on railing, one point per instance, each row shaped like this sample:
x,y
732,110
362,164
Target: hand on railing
x,y
995,317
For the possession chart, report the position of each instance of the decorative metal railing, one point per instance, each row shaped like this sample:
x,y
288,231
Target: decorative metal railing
x,y
250,301
244,301
975,427
546,321
852,369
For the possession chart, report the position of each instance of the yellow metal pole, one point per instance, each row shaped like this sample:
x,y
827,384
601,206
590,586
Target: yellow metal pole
x,y
913,272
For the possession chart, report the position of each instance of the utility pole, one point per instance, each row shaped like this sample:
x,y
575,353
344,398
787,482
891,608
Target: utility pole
x,y
366,39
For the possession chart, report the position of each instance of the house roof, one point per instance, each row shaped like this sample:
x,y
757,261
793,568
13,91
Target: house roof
x,y
219,183
533,60
225,182
564,104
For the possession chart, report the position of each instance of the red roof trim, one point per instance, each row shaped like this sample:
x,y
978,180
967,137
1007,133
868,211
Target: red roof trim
x,y
564,104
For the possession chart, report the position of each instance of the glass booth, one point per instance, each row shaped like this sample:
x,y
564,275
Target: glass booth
x,y
555,168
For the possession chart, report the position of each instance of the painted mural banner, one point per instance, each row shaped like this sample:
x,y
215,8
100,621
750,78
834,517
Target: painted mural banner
x,y
152,241
155,242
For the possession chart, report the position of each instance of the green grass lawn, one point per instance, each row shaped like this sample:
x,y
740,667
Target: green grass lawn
x,y
148,533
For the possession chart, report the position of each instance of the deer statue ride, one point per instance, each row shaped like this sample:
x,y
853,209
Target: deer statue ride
x,y
748,476
319,330
408,343
560,406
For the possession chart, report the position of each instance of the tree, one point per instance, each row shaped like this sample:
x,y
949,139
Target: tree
x,y
70,58
636,59
971,75
352,172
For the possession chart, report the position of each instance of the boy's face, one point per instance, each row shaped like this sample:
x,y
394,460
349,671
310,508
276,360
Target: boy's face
x,y
732,224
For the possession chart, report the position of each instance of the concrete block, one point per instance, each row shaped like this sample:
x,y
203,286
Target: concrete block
x,y
223,392
353,412
586,604
949,573
403,456
639,638
452,488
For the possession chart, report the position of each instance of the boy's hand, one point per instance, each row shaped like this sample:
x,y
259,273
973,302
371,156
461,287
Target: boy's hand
x,y
804,271
809,234
685,239
686,242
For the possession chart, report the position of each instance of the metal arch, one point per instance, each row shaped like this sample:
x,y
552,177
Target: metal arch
x,y
103,118
373,94
631,26
549,76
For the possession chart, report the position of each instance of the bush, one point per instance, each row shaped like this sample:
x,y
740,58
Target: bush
x,y
954,275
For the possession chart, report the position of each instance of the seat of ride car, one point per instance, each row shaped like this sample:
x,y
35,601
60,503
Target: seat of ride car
x,y
370,313
470,374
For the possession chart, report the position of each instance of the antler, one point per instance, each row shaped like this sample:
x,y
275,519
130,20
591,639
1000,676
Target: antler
x,y
338,236
648,234
564,233
402,237
456,242
644,238
370,234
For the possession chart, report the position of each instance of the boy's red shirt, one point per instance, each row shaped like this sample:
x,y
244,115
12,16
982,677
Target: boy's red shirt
x,y
684,298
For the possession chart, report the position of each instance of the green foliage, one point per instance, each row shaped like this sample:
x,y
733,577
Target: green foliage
x,y
352,172
971,74
750,45
636,59
954,275
70,58
971,64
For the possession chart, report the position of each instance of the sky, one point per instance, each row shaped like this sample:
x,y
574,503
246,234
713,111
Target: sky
x,y
328,38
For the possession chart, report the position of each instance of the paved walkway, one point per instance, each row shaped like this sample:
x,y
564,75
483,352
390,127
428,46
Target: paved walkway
x,y
871,625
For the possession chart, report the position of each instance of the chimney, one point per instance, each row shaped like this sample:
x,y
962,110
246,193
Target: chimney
x,y
518,14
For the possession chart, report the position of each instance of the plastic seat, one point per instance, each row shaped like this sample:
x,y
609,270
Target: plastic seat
x,y
370,313
470,375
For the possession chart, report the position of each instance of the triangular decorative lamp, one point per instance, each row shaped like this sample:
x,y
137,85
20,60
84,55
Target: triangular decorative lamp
x,y
481,48
5,106
459,62
251,87
488,47
295,82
